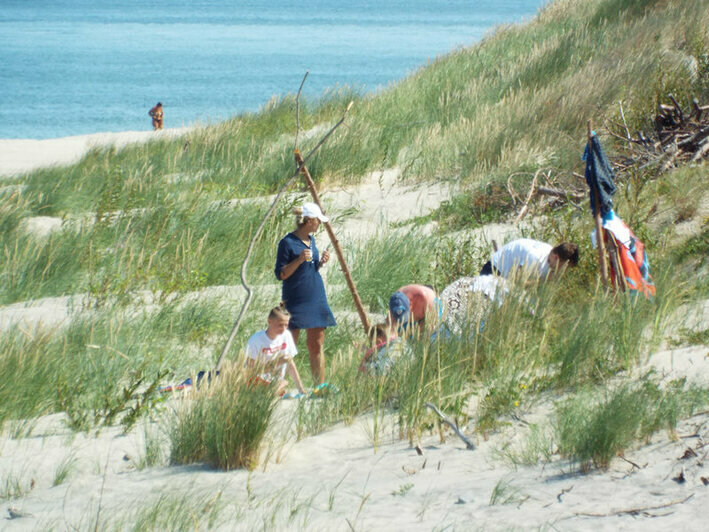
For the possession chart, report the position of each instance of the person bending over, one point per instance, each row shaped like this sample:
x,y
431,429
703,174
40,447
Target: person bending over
x,y
413,304
533,258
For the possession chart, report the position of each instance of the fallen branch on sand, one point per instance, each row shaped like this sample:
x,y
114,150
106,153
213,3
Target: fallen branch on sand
x,y
557,193
468,442
635,511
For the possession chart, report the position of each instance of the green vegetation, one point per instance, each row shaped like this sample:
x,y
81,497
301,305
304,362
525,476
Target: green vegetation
x,y
593,427
223,424
153,237
176,511
64,470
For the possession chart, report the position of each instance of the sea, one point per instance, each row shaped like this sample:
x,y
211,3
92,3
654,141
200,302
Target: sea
x,y
72,67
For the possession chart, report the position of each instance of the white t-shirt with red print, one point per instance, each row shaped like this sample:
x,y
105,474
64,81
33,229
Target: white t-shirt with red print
x,y
263,350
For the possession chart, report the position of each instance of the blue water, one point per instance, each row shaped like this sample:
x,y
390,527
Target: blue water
x,y
70,67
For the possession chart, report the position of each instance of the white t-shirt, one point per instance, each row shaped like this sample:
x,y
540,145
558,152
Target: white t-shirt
x,y
263,349
525,253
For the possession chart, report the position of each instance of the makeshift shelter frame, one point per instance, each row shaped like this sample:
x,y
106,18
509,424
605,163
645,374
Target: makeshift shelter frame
x,y
254,238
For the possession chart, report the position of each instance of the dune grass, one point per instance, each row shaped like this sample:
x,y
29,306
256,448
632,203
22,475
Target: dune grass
x,y
150,229
595,426
224,423
518,101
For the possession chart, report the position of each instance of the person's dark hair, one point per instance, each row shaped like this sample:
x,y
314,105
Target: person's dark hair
x,y
378,333
159,104
279,312
567,252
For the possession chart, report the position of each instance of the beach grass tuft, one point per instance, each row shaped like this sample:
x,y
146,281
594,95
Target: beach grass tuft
x,y
223,424
596,425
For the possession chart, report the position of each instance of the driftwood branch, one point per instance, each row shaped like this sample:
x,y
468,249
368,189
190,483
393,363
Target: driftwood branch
x,y
568,192
297,110
563,194
525,207
468,442
254,238
625,126
635,511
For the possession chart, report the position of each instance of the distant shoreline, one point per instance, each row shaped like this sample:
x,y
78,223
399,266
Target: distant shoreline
x,y
19,156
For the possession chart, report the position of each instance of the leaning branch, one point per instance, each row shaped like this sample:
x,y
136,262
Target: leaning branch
x,y
252,243
297,110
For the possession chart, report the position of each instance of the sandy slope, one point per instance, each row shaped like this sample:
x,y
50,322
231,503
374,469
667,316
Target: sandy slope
x,y
335,481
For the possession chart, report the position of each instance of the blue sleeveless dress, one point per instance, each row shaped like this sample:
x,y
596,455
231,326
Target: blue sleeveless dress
x,y
304,291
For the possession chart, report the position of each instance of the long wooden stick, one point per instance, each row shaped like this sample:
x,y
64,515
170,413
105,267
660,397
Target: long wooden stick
x,y
270,210
335,244
621,285
532,190
599,224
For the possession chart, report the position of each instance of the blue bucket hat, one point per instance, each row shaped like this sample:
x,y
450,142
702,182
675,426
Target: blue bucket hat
x,y
399,307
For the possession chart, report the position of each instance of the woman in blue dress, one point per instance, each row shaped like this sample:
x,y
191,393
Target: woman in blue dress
x,y
297,265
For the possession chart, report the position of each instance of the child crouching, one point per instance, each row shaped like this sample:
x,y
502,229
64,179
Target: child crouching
x,y
386,346
271,353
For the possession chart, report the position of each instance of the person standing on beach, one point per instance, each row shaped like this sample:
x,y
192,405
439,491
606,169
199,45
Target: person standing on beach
x,y
297,264
156,114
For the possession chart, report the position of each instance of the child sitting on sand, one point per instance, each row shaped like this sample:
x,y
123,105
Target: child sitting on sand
x,y
271,352
386,346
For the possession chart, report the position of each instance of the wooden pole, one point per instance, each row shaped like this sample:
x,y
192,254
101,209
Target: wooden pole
x,y
335,244
619,285
599,224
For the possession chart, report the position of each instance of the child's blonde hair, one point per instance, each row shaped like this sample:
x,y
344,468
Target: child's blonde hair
x,y
279,312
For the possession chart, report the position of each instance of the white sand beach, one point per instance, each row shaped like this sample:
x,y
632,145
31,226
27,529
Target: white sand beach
x,y
336,480
24,155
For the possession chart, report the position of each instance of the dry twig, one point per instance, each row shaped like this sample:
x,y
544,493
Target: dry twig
x,y
636,511
468,442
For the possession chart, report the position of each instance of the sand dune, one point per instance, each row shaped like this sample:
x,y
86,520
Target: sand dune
x,y
335,481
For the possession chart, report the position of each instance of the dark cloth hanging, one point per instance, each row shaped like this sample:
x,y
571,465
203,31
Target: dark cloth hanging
x,y
599,175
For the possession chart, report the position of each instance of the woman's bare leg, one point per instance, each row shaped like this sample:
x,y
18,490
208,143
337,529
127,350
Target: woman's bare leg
x,y
315,342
